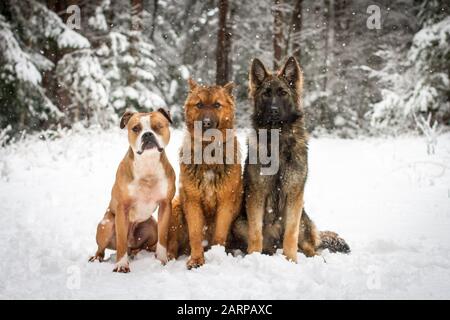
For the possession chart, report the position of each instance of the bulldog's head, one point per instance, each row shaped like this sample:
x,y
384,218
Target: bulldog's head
x,y
147,132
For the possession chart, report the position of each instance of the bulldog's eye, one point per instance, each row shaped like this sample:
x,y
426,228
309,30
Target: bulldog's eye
x,y
200,105
135,129
217,105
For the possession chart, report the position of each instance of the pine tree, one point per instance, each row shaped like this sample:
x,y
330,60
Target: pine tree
x,y
27,29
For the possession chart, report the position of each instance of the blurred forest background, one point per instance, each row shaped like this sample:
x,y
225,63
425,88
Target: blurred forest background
x,y
86,61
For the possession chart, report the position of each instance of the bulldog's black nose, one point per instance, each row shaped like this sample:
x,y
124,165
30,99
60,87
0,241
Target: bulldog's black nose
x,y
147,136
207,123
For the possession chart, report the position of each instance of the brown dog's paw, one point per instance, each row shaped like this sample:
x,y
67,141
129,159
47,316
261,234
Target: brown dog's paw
x,y
96,257
195,262
171,256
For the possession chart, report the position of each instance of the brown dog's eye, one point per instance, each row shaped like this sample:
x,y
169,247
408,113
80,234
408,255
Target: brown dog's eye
x,y
135,129
283,93
217,105
200,105
267,93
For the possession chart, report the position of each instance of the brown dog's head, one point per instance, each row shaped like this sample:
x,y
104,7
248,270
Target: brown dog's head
x,y
212,106
277,96
147,131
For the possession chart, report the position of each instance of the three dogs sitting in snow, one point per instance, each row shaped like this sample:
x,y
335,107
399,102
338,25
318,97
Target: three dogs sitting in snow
x,y
216,203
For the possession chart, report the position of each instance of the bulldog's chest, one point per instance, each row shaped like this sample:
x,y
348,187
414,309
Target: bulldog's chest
x,y
146,190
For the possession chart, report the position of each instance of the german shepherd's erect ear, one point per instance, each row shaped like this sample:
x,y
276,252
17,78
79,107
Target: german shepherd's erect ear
x,y
292,73
257,74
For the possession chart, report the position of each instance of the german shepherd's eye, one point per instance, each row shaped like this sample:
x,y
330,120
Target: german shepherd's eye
x,y
283,92
200,105
267,93
217,105
136,129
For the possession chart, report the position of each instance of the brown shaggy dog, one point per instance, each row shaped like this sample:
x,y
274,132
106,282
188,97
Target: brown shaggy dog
x,y
210,190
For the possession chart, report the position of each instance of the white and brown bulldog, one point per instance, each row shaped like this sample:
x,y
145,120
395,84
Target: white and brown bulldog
x,y
145,180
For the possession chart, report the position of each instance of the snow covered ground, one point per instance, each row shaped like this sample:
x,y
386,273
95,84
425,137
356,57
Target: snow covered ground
x,y
386,197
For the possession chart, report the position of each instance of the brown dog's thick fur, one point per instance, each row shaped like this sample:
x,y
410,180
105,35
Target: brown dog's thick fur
x,y
210,194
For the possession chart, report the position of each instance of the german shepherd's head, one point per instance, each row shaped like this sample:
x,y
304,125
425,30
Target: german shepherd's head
x,y
276,96
212,106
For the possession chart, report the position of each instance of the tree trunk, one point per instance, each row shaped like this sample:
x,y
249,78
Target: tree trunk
x,y
223,45
136,28
154,16
59,96
329,39
294,36
277,34
137,7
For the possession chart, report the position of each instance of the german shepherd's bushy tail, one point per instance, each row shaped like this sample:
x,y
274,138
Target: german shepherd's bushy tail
x,y
320,240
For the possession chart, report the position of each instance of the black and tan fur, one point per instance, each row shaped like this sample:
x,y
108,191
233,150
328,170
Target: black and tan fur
x,y
274,204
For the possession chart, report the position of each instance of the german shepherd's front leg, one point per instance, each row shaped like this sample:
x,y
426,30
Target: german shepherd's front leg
x,y
195,221
255,216
293,210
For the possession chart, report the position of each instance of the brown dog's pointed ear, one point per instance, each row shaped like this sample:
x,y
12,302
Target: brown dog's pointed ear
x,y
125,118
166,114
257,73
192,84
229,87
292,73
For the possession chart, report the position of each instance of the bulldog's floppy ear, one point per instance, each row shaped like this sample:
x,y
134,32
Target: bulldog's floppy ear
x,y
166,114
229,87
257,73
292,73
125,118
192,84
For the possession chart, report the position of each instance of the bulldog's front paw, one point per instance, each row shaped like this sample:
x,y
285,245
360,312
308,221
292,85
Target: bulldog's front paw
x,y
96,257
122,269
122,265
195,262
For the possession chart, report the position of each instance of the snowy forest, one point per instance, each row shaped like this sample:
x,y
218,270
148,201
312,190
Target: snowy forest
x,y
377,106
370,67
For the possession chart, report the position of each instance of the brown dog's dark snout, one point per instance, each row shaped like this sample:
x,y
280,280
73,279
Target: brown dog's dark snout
x,y
209,121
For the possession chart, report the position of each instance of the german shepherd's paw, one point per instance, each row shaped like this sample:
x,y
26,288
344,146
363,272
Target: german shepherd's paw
x,y
195,262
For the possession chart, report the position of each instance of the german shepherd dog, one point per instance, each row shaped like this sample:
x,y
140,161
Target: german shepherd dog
x,y
210,192
274,205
